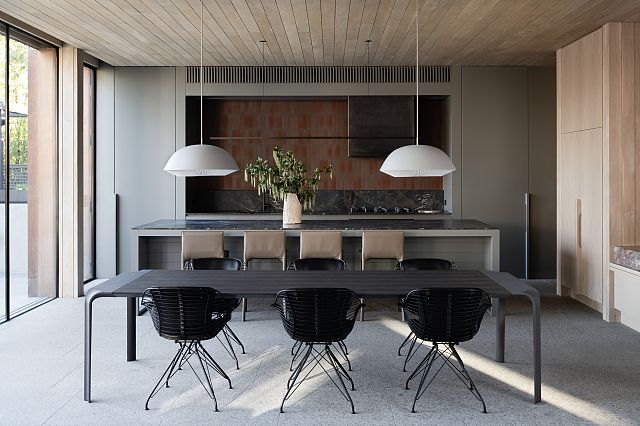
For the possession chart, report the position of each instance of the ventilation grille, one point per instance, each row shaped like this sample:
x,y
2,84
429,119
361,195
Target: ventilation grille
x,y
282,74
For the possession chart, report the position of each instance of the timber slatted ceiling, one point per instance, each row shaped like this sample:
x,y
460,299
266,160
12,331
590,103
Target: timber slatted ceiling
x,y
321,32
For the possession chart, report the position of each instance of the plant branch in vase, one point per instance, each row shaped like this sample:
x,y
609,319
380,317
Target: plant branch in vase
x,y
286,180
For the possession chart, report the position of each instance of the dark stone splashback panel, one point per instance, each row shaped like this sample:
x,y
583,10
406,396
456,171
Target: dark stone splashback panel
x,y
627,256
328,202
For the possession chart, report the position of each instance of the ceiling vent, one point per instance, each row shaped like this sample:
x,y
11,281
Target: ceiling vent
x,y
318,75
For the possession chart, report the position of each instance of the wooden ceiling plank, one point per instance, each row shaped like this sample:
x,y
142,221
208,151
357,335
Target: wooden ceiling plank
x,y
364,33
228,19
430,12
171,29
291,30
328,10
190,20
398,12
340,30
56,26
314,15
304,32
245,13
379,25
109,13
400,34
273,54
356,9
275,21
189,32
247,37
160,30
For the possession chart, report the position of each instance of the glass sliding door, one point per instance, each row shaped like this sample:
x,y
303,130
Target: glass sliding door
x,y
29,228
89,171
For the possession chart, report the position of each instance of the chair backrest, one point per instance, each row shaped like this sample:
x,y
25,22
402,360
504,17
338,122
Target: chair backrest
x,y
265,245
445,314
382,245
186,313
215,263
314,264
425,264
321,244
318,314
197,244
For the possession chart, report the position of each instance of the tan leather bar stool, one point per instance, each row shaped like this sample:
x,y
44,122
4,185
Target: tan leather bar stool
x,y
197,244
321,244
263,245
381,245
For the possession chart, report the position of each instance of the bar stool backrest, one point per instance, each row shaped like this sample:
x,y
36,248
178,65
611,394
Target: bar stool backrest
x,y
382,245
196,244
321,244
316,264
265,245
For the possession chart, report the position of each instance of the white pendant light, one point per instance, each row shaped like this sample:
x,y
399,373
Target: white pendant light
x,y
201,160
417,160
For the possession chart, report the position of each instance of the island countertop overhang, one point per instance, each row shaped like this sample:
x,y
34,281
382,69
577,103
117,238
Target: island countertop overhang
x,y
313,225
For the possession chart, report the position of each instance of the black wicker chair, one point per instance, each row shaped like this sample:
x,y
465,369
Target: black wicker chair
x,y
446,317
222,264
318,318
419,264
188,316
319,264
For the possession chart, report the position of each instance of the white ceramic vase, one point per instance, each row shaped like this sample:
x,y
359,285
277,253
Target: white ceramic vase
x,y
292,210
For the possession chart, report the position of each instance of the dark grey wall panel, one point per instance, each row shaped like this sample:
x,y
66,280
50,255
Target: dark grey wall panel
x,y
495,155
542,172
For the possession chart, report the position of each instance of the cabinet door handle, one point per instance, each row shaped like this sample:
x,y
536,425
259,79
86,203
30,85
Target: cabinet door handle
x,y
579,222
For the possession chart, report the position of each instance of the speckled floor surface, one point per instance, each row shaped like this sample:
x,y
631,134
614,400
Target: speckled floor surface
x,y
591,372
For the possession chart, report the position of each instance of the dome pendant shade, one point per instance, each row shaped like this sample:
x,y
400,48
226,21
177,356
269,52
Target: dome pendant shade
x,y
201,160
417,161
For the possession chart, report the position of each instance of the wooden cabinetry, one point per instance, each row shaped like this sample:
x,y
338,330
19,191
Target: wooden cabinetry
x,y
580,170
598,159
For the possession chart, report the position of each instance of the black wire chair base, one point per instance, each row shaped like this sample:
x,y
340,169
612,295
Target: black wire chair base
x,y
296,350
230,337
311,358
185,352
414,346
426,366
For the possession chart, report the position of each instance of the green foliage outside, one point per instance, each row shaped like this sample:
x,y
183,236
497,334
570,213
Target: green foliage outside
x,y
18,98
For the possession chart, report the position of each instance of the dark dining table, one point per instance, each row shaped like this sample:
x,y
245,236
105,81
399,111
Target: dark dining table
x,y
499,285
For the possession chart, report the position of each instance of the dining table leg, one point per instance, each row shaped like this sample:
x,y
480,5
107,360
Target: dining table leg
x,y
132,313
498,305
534,297
90,297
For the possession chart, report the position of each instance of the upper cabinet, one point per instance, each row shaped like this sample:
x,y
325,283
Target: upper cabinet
x,y
581,83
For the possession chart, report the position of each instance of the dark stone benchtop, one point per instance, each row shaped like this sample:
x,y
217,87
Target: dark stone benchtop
x,y
627,256
350,224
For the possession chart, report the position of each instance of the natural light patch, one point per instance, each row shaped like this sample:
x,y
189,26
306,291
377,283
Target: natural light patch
x,y
524,384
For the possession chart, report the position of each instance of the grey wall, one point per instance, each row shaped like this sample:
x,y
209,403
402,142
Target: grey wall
x,y
133,143
106,230
508,150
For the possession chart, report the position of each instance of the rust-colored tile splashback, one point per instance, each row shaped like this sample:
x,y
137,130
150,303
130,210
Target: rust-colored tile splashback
x,y
251,117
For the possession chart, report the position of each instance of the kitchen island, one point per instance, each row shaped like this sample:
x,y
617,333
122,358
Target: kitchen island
x,y
469,243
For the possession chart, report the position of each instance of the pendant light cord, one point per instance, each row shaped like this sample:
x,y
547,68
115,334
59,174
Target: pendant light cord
x,y
417,77
201,71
